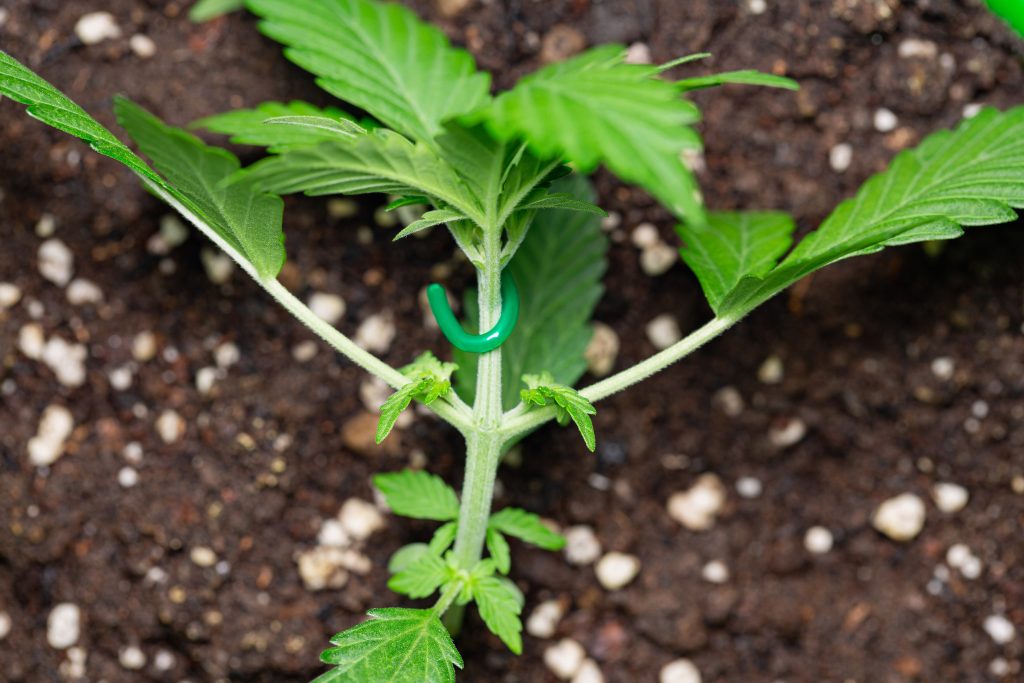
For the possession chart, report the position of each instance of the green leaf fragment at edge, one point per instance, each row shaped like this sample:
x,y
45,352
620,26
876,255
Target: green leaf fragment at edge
x,y
397,645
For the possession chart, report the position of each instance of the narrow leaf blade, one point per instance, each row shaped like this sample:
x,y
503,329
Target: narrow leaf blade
x,y
527,527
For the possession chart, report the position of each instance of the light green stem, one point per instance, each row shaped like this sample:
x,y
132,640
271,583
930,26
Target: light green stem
x,y
484,438
518,421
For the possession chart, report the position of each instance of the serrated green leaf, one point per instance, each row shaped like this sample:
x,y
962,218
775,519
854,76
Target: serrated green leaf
x,y
430,380
421,578
406,556
443,538
500,608
247,222
204,10
498,548
392,408
53,108
250,127
406,201
246,218
745,77
418,494
527,527
379,57
596,109
379,161
397,645
734,246
542,390
429,220
967,177
558,270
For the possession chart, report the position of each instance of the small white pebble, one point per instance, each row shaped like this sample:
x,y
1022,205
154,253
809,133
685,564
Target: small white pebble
x,y
322,567
979,409
602,351
376,333
131,658
10,295
81,292
840,157
749,487
73,668
163,661
885,120
170,426
565,658
663,331
173,231
757,6
56,262
900,518
360,518
217,264
818,540
205,379
729,400
328,307
333,534
697,507
999,667
543,621
589,672
679,671
639,53
142,45
305,351
1000,629
31,340
787,433
617,570
943,368
127,477
958,555
202,556
120,378
132,452
581,545
5,624
47,445
63,626
715,571
973,109
972,568
914,47
950,497
144,346
66,360
645,236
226,355
658,259
96,27
46,226
772,371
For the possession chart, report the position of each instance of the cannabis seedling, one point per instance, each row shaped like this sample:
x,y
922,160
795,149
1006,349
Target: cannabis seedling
x,y
492,169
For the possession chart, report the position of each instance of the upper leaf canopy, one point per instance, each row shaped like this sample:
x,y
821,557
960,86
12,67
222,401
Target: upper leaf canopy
x,y
597,109
251,127
381,58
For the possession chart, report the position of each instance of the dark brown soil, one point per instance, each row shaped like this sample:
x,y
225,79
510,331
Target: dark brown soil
x,y
856,341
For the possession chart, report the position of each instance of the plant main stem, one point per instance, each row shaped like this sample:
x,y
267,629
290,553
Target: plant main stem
x,y
483,440
484,437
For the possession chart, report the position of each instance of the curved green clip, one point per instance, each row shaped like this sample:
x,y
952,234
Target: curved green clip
x,y
477,343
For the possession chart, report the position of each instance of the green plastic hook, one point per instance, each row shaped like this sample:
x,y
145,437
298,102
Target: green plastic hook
x,y
477,343
1012,11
